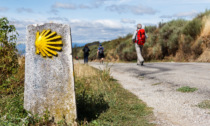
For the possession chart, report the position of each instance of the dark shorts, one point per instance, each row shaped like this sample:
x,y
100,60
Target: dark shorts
x,y
101,56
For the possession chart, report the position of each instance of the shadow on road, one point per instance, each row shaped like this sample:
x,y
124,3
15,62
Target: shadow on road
x,y
148,69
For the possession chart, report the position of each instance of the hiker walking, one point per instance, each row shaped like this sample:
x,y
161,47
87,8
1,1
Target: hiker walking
x,y
100,53
86,51
139,37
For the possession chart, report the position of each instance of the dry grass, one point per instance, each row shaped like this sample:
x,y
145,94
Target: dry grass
x,y
83,70
206,29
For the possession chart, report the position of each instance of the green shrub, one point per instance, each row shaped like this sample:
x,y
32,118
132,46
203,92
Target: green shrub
x,y
150,29
8,51
151,41
201,15
129,54
186,44
161,24
169,36
193,28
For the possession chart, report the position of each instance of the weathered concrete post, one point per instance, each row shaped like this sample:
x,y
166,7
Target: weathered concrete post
x,y
49,81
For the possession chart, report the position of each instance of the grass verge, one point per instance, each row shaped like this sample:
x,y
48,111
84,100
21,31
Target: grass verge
x,y
186,89
102,101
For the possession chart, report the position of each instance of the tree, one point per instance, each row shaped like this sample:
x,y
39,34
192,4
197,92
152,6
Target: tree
x,y
8,51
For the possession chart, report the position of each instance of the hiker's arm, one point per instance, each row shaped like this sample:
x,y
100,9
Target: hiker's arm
x,y
134,36
146,36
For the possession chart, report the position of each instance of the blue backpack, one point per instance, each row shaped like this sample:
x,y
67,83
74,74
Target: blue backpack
x,y
101,50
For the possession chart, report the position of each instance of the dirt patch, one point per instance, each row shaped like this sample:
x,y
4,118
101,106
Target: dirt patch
x,y
205,56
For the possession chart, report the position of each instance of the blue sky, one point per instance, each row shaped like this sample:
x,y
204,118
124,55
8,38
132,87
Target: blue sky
x,y
98,20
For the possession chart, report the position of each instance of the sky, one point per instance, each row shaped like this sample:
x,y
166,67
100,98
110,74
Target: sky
x,y
98,20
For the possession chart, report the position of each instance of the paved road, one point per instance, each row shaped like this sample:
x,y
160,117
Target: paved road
x,y
156,84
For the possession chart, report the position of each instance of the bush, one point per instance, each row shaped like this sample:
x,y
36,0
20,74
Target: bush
x,y
150,29
197,48
193,28
129,54
8,51
151,41
201,15
169,36
186,44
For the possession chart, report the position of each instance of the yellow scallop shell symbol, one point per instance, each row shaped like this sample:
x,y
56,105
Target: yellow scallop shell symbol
x,y
48,43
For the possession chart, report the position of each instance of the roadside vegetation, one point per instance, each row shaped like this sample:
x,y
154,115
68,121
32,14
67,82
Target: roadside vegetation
x,y
186,89
102,101
204,104
176,40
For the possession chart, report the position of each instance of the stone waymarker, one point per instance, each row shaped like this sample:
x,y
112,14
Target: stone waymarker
x,y
49,81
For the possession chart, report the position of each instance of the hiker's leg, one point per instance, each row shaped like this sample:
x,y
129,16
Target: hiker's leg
x,y
87,59
141,57
102,60
138,53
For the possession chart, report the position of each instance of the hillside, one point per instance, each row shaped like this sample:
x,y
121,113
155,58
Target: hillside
x,y
176,40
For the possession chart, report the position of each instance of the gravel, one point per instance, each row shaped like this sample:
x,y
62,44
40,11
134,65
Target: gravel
x,y
156,84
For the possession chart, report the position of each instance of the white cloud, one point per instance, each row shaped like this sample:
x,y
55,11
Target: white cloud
x,y
58,19
64,6
83,31
108,23
130,21
138,10
196,1
83,6
97,30
186,14
28,10
98,3
54,11
166,16
142,10
189,14
3,9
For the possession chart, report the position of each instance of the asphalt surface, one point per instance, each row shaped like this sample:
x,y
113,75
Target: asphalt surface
x,y
156,84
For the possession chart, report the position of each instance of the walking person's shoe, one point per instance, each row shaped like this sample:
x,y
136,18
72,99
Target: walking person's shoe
x,y
142,63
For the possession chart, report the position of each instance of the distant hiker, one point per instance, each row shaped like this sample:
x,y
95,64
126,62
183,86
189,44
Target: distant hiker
x,y
139,38
86,51
76,57
100,53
